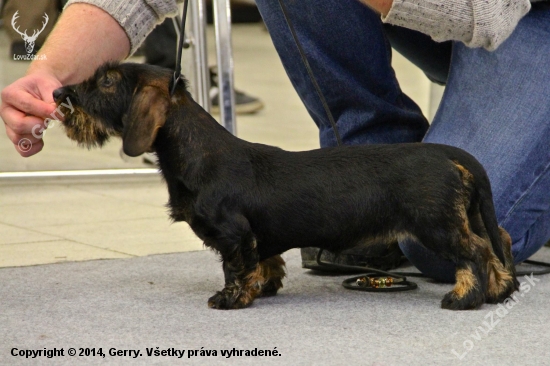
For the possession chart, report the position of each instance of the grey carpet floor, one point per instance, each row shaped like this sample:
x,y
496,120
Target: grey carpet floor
x,y
160,301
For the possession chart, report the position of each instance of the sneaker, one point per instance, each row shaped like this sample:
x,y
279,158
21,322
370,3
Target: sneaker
x,y
244,104
381,257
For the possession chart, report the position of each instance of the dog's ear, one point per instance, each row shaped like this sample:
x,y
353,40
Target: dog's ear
x,y
147,113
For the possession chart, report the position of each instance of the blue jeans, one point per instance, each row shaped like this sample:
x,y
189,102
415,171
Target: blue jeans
x,y
496,104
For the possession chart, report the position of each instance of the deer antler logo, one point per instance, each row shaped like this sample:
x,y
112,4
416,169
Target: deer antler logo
x,y
29,40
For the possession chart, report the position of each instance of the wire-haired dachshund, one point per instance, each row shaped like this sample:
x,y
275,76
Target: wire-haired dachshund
x,y
251,202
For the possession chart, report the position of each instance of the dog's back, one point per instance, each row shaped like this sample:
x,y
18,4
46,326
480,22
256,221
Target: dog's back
x,y
335,197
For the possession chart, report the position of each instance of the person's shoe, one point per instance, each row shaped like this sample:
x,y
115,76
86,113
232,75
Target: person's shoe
x,y
244,104
381,257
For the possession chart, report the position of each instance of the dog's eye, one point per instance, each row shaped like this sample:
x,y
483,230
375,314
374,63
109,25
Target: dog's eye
x,y
107,82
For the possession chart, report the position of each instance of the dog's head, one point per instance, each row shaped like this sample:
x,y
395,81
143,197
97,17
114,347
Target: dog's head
x,y
126,100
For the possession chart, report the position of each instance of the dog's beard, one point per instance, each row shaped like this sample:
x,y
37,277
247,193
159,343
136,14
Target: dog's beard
x,y
86,130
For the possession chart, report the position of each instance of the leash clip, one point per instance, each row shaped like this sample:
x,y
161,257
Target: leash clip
x,y
176,78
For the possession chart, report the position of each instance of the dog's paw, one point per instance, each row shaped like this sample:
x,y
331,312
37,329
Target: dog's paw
x,y
229,298
506,290
502,283
469,301
271,287
218,301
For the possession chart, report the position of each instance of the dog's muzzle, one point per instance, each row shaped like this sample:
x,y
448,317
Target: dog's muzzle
x,y
60,94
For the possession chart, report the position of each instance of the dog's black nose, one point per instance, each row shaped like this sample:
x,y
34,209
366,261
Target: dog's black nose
x,y
58,94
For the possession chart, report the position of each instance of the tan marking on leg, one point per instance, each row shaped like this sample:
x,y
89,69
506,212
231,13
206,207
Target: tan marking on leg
x,y
465,282
469,241
251,287
274,272
464,195
500,276
467,177
268,272
273,268
462,202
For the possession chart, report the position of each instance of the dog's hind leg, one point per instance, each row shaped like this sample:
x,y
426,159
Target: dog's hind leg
x,y
470,288
480,276
502,279
455,241
472,254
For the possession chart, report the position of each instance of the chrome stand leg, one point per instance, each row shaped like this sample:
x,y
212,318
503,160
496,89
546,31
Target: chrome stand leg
x,y
198,30
195,58
222,23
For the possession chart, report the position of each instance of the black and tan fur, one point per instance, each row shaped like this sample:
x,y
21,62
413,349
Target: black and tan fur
x,y
252,202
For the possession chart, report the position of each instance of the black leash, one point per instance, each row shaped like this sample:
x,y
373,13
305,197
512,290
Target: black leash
x,y
177,78
310,72
535,263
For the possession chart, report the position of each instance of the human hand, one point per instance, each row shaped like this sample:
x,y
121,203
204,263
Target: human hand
x,y
27,105
380,6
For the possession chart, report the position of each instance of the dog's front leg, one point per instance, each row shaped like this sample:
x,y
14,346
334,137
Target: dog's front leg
x,y
236,243
242,287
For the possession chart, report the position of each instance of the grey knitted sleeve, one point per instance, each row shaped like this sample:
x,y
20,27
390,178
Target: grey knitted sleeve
x,y
477,23
136,17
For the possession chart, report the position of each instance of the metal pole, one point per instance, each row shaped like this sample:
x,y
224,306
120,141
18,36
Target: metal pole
x,y
197,23
222,23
